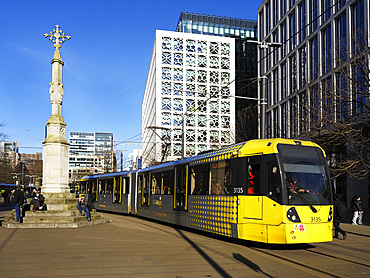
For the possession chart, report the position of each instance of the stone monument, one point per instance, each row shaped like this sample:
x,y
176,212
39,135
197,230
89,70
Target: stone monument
x,y
62,211
55,146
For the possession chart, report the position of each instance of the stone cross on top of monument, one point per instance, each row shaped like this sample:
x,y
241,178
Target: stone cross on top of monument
x,y
58,37
55,35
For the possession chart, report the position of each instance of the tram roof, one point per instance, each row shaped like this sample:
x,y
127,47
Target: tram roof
x,y
248,148
106,175
6,184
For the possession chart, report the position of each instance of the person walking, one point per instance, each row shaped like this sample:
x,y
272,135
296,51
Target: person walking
x,y
357,211
340,212
17,200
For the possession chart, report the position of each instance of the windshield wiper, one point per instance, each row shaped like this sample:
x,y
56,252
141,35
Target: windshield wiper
x,y
299,195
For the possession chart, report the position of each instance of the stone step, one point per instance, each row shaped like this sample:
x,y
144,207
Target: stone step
x,y
84,223
60,201
52,213
58,219
59,195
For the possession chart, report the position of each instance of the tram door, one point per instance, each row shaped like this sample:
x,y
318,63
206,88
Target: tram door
x,y
180,200
146,189
252,207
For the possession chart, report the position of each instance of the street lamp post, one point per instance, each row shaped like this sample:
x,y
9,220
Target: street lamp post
x,y
263,46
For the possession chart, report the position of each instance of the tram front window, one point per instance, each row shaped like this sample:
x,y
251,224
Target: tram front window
x,y
306,175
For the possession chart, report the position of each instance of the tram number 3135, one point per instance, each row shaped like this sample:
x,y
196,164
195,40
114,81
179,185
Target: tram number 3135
x,y
315,219
238,190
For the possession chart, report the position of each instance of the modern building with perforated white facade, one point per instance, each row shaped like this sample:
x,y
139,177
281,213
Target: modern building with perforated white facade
x,y
188,93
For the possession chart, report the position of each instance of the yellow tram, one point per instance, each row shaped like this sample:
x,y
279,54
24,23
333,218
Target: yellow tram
x,y
266,190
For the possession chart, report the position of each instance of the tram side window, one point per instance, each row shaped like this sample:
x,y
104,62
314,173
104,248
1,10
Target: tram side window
x,y
220,178
109,186
168,182
146,189
156,183
126,185
100,187
274,181
117,189
253,180
139,184
200,179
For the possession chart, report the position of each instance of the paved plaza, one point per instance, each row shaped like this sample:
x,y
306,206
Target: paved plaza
x,y
135,247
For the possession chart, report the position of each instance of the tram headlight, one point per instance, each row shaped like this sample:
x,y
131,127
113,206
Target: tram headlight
x,y
293,215
330,217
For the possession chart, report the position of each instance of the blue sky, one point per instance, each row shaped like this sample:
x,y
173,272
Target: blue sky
x,y
105,62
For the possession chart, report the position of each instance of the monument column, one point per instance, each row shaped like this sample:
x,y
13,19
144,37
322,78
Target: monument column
x,y
55,146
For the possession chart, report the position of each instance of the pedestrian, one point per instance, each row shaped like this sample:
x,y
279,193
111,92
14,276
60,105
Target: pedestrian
x,y
17,200
83,207
340,212
27,195
357,211
38,201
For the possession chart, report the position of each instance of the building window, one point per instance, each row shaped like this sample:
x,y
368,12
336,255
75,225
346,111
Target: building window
x,y
268,125
293,109
303,112
315,101
314,58
327,9
293,30
358,33
327,50
328,100
283,7
302,20
341,38
314,14
276,123
273,100
303,67
283,36
343,97
284,120
293,75
268,17
283,80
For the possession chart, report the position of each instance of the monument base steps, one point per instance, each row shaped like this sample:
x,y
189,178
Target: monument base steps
x,y
61,213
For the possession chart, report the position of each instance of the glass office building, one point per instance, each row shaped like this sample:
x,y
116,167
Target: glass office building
x,y
90,153
216,25
243,31
313,78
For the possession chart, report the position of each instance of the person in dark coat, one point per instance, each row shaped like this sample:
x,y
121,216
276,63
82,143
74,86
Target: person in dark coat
x,y
357,211
37,200
338,217
17,200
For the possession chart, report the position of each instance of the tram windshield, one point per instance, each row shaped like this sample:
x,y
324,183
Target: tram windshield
x,y
306,175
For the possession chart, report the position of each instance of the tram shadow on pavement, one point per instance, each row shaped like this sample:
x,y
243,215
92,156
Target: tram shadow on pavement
x,y
246,243
262,245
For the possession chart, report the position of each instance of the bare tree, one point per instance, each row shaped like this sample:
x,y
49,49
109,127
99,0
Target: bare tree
x,y
339,111
5,163
5,169
246,124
